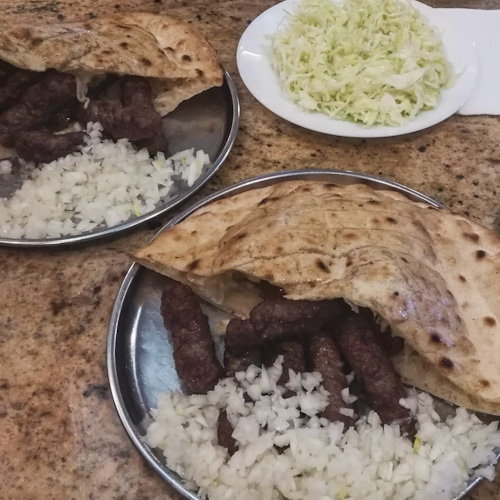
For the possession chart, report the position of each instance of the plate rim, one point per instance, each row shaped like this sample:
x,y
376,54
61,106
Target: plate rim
x,y
360,131
128,225
111,343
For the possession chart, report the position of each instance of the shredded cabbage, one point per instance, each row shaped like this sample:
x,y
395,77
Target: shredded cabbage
x,y
375,62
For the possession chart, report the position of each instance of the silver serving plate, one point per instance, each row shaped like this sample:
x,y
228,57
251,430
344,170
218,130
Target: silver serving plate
x,y
139,353
208,121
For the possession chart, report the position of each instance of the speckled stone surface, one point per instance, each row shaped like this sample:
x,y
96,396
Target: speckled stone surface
x,y
60,437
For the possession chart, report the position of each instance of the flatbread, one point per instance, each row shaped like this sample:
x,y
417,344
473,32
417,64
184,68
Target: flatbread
x,y
414,370
433,275
177,59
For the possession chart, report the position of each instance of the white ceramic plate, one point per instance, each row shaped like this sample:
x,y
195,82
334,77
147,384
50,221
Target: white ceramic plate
x,y
263,83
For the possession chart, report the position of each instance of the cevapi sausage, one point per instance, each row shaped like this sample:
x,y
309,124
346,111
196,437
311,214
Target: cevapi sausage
x,y
44,147
293,358
224,433
134,118
35,107
234,363
325,358
193,347
17,83
241,336
371,364
279,319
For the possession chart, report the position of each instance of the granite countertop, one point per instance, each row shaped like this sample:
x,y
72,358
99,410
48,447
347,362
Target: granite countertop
x,y
60,437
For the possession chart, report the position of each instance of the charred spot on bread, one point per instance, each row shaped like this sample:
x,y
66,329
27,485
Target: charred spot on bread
x,y
418,225
490,321
446,362
480,254
22,33
472,236
462,278
350,236
391,220
321,265
193,265
436,338
267,200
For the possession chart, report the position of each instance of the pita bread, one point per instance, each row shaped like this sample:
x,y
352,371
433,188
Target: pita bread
x,y
178,60
415,371
434,276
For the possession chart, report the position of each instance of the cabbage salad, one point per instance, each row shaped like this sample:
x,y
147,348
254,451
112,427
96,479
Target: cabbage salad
x,y
373,62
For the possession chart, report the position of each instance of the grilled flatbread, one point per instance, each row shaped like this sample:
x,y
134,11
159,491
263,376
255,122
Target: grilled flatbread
x,y
179,62
416,371
433,275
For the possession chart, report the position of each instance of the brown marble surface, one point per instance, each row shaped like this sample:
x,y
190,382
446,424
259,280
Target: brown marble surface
x,y
60,437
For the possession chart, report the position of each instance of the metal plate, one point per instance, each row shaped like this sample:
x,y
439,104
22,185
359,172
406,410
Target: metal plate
x,y
208,121
139,354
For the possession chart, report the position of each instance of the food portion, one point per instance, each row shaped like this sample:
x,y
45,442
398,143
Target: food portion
x,y
330,288
299,332
292,333
176,60
366,61
117,74
430,274
281,448
41,124
101,185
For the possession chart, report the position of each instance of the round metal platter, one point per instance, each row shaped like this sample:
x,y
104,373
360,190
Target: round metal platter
x,y
207,121
139,353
